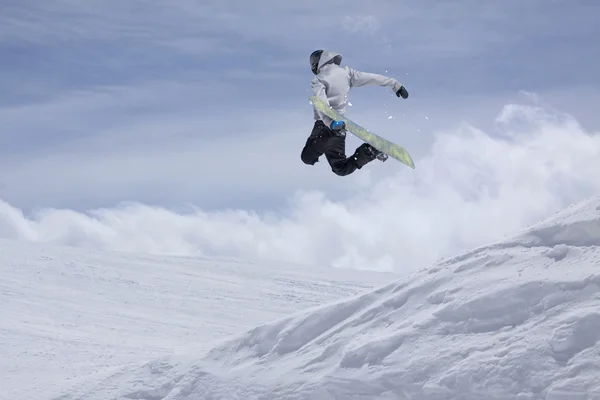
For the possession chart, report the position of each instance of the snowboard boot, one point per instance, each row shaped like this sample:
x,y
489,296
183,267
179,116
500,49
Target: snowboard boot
x,y
373,153
366,153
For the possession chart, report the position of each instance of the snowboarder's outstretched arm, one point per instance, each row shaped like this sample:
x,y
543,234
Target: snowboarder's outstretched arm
x,y
360,78
319,90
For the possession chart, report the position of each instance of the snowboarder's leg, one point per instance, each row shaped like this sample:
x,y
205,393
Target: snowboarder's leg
x,y
335,152
315,144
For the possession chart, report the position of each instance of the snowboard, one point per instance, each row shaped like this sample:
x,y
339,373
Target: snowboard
x,y
391,149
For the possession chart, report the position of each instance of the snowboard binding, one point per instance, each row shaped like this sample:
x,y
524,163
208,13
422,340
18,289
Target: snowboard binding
x,y
374,153
382,156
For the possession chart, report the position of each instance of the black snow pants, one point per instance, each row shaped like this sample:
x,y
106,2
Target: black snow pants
x,y
323,140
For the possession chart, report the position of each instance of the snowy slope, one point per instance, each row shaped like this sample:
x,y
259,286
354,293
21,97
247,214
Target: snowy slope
x,y
69,313
514,320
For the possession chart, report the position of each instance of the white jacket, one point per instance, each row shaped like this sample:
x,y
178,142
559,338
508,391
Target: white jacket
x,y
333,83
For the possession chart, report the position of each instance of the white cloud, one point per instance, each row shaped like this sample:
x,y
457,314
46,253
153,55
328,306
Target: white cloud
x,y
470,189
363,23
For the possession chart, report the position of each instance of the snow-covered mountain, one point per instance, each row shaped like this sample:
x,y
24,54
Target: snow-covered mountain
x,y
518,319
69,313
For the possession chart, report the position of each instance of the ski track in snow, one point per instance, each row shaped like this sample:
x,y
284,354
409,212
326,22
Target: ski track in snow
x,y
518,320
69,314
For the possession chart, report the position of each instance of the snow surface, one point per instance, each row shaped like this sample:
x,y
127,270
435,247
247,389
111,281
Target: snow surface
x,y
519,319
68,313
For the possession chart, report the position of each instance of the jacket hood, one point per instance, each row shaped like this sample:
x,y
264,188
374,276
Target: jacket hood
x,y
328,57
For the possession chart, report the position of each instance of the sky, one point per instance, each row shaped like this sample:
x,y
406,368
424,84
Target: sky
x,y
176,127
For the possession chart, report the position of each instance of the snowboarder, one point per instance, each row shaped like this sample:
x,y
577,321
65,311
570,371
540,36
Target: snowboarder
x,y
332,83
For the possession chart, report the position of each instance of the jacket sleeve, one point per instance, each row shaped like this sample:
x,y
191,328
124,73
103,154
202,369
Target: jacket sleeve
x,y
359,78
319,90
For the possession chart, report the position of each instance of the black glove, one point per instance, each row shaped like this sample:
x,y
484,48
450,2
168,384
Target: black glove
x,y
402,92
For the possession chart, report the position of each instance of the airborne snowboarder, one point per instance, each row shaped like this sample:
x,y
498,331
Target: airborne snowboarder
x,y
332,83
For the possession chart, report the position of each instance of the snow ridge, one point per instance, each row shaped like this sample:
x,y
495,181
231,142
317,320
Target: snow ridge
x,y
514,320
68,313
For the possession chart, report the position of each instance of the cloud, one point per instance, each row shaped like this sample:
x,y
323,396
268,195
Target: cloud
x,y
470,189
365,23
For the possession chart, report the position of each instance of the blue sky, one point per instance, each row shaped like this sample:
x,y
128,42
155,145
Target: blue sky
x,y
204,104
